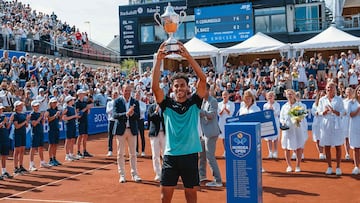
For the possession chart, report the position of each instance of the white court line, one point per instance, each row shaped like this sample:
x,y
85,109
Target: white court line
x,y
45,200
41,186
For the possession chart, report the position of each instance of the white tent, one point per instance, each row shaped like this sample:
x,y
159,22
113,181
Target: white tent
x,y
259,43
331,38
200,49
197,47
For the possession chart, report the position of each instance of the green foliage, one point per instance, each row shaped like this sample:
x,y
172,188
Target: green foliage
x,y
128,65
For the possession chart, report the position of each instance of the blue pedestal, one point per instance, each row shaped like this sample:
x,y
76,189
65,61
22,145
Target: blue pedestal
x,y
243,162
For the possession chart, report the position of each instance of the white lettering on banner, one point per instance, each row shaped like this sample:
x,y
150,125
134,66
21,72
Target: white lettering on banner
x,y
100,117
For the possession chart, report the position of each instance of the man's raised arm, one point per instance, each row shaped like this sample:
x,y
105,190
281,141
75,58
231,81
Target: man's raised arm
x,y
155,76
201,84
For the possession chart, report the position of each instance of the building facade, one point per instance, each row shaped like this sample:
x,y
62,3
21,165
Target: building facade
x,y
289,21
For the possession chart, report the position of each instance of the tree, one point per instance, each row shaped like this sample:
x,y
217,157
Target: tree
x,y
128,65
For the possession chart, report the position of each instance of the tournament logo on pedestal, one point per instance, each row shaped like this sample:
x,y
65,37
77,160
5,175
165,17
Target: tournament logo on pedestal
x,y
240,144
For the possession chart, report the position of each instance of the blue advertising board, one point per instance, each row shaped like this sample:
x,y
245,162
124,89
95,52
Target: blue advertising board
x,y
308,104
225,23
243,162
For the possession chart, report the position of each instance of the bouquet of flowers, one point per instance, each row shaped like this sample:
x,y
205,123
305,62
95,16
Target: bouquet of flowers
x,y
297,114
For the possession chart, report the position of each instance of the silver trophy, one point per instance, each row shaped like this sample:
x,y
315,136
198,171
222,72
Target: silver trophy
x,y
170,22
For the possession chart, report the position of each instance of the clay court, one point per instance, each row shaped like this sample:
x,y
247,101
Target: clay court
x,y
96,180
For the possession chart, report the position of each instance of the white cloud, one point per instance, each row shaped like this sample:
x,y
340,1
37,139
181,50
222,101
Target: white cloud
x,y
102,15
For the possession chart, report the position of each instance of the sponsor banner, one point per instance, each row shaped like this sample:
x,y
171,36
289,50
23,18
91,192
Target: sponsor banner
x,y
243,162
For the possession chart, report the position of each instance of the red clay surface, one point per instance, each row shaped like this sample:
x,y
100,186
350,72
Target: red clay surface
x,y
96,180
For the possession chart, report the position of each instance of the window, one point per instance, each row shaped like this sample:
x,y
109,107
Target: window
x,y
151,33
147,33
307,18
160,34
190,30
270,20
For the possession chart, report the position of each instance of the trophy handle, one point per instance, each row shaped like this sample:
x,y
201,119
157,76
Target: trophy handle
x,y
157,17
182,15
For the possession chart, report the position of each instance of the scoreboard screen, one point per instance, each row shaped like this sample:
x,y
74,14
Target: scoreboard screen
x,y
226,23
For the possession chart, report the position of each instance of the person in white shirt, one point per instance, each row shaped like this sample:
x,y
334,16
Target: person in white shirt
x,y
349,92
141,127
272,142
331,107
292,138
354,112
43,100
109,110
226,109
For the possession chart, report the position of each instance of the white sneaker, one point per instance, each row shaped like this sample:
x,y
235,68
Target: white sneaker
x,y
44,165
122,179
263,170
32,168
288,169
109,153
213,184
328,171
347,157
143,154
297,169
338,172
68,158
270,156
322,156
157,178
275,155
224,155
293,156
355,171
136,178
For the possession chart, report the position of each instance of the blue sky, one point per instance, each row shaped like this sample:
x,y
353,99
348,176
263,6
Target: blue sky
x,y
102,15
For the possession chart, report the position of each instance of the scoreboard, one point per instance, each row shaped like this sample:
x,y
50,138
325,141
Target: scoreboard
x,y
225,23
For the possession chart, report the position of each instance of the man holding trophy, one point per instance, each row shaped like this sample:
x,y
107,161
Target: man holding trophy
x,y
181,116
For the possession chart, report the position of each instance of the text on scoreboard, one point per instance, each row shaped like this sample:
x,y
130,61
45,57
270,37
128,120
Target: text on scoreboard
x,y
225,23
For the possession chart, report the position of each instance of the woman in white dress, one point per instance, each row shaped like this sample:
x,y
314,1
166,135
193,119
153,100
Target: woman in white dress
x,y
331,107
226,109
301,65
304,124
316,125
349,93
292,139
272,142
354,112
248,105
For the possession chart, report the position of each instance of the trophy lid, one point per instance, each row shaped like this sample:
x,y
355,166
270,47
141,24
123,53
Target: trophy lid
x,y
169,11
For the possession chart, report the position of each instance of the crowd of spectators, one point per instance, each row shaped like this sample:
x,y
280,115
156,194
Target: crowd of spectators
x,y
25,29
38,77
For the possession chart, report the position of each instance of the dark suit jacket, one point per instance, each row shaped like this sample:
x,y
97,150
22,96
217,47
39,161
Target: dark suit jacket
x,y
119,113
155,120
